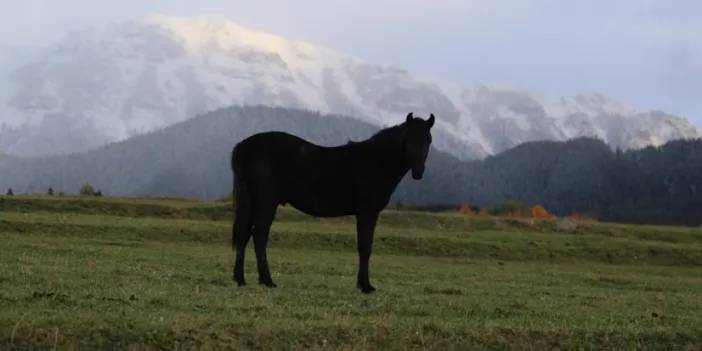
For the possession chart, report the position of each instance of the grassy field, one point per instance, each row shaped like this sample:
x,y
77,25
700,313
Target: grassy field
x,y
86,273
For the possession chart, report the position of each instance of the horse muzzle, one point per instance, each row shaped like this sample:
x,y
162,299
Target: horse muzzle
x,y
417,174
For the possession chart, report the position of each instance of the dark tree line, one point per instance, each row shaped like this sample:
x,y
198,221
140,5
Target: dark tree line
x,y
661,185
191,159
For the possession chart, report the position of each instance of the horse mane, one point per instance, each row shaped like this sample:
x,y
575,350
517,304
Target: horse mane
x,y
386,143
390,136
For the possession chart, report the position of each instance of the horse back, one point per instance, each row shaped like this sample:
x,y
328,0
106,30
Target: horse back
x,y
315,179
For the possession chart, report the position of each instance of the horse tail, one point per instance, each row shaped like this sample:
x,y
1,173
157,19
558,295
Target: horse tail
x,y
242,199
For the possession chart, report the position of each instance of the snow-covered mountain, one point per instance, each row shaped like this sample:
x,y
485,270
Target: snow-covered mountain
x,y
109,83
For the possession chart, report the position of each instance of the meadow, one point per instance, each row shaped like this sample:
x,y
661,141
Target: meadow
x,y
119,273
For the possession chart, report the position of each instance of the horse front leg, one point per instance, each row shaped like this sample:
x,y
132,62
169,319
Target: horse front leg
x,y
365,228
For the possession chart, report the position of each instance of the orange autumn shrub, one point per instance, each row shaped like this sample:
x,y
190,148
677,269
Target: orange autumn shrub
x,y
511,209
539,212
575,216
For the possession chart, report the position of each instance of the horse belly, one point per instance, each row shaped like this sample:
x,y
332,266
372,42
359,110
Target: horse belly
x,y
323,201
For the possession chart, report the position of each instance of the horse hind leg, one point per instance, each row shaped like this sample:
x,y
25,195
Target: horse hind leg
x,y
241,231
262,224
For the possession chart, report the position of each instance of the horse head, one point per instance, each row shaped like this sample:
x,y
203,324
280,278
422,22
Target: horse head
x,y
417,142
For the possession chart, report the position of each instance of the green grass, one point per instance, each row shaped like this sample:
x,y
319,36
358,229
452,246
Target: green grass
x,y
86,273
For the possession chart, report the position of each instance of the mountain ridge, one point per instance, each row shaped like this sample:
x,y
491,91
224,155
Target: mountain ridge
x,y
109,83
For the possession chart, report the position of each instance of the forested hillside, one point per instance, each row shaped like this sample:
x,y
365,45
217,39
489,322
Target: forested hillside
x,y
191,159
651,185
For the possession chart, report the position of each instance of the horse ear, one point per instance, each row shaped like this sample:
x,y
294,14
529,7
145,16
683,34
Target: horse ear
x,y
431,120
409,117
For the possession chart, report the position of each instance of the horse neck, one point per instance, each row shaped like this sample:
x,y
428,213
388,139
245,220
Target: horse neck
x,y
387,153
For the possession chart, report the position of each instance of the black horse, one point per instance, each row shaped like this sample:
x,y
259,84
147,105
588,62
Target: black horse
x,y
358,178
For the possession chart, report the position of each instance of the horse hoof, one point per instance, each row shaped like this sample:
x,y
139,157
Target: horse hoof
x,y
366,289
240,282
269,284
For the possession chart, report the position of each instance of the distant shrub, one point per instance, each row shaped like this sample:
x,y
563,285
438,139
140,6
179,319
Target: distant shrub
x,y
469,210
9,192
50,192
98,193
566,225
576,216
87,190
539,212
512,209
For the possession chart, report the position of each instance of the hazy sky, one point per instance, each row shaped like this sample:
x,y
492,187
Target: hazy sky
x,y
647,53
